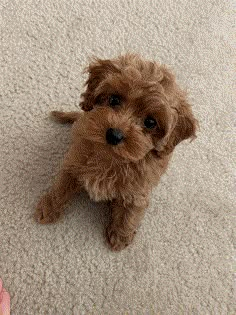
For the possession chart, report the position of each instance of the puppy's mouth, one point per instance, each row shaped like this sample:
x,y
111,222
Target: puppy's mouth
x,y
115,136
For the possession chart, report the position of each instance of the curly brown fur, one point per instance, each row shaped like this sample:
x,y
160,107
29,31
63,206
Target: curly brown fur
x,y
122,173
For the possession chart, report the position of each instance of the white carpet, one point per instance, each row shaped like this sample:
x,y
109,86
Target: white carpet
x,y
182,259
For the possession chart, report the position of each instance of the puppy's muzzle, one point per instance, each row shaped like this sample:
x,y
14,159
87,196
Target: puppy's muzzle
x,y
114,136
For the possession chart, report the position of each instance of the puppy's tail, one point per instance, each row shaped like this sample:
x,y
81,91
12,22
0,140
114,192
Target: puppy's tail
x,y
65,117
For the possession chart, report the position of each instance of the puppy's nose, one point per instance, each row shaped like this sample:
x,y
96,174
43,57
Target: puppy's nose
x,y
114,136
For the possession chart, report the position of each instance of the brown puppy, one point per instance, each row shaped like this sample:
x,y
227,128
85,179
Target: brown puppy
x,y
134,116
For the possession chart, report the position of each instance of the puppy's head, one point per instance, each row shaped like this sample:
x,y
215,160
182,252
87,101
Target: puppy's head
x,y
133,107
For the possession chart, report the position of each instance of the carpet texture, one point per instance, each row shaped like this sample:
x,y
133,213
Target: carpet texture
x,y
182,259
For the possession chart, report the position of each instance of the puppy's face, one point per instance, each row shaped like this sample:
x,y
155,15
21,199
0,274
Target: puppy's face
x,y
133,107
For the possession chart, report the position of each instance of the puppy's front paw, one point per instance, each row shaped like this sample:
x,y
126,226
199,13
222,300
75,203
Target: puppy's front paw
x,y
45,213
117,241
57,116
64,117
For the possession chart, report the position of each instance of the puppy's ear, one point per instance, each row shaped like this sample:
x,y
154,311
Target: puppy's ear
x,y
97,70
184,127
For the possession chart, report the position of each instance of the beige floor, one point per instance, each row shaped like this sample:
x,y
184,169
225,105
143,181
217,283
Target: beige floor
x,y
181,260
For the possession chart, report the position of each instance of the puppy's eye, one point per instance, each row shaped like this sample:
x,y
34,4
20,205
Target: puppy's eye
x,y
114,100
150,122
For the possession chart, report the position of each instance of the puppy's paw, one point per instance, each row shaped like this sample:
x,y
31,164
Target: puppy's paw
x,y
117,241
64,117
45,214
58,116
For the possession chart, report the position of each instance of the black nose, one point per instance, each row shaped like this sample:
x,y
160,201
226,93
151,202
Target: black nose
x,y
114,136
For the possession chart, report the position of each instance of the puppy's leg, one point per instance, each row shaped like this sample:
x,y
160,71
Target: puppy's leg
x,y
50,207
65,117
125,220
